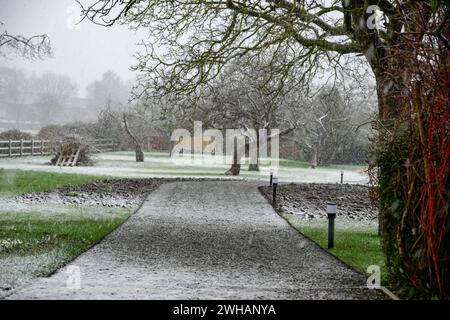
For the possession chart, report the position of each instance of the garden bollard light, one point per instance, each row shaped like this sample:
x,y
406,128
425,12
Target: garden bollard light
x,y
331,212
271,176
342,177
274,188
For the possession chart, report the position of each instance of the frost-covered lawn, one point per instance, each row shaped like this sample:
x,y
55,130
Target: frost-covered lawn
x,y
123,164
14,182
356,242
35,240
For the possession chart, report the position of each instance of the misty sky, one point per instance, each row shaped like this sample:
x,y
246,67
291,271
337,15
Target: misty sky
x,y
84,53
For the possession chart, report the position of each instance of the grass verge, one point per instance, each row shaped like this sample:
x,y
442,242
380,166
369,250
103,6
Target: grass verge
x,y
15,182
37,239
34,244
356,242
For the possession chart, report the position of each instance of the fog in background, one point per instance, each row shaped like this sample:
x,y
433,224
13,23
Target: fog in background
x,y
83,52
83,90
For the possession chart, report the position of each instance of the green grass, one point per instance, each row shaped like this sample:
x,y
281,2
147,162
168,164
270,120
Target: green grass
x,y
358,167
122,164
39,231
14,182
356,243
293,163
154,154
37,243
37,239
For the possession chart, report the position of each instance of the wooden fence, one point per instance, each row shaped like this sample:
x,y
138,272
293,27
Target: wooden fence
x,y
21,148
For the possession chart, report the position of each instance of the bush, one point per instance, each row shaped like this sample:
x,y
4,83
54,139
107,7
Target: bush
x,y
15,134
50,132
59,132
413,158
352,152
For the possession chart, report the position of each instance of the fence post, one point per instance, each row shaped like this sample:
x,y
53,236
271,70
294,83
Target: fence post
x,y
42,147
10,147
32,147
21,147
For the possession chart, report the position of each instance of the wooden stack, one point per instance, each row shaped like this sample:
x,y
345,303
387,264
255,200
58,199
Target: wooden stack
x,y
68,158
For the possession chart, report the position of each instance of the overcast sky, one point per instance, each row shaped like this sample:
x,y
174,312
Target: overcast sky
x,y
83,52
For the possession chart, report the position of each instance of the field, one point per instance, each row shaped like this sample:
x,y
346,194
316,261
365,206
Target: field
x,y
123,164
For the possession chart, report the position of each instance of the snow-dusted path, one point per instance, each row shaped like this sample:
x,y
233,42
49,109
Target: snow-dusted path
x,y
204,240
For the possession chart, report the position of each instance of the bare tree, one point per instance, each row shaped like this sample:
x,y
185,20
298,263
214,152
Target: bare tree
x,y
134,138
242,98
51,91
110,89
245,99
14,85
138,120
327,121
34,47
199,37
192,41
195,39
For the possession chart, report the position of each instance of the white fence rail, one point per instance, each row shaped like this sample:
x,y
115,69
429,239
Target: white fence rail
x,y
21,148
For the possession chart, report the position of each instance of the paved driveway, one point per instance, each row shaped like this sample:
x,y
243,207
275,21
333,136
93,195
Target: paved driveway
x,y
203,240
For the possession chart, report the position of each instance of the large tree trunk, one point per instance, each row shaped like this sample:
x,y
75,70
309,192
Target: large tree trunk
x,y
254,163
234,170
137,146
388,107
380,61
314,158
139,155
235,166
388,149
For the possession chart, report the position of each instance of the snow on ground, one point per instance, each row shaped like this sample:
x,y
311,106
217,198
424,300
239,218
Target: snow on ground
x,y
123,164
65,211
187,243
308,200
16,271
341,224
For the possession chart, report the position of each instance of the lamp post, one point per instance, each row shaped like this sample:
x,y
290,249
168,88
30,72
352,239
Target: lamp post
x,y
331,212
274,188
271,176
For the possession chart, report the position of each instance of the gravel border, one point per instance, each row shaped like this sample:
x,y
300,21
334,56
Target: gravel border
x,y
308,200
110,192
